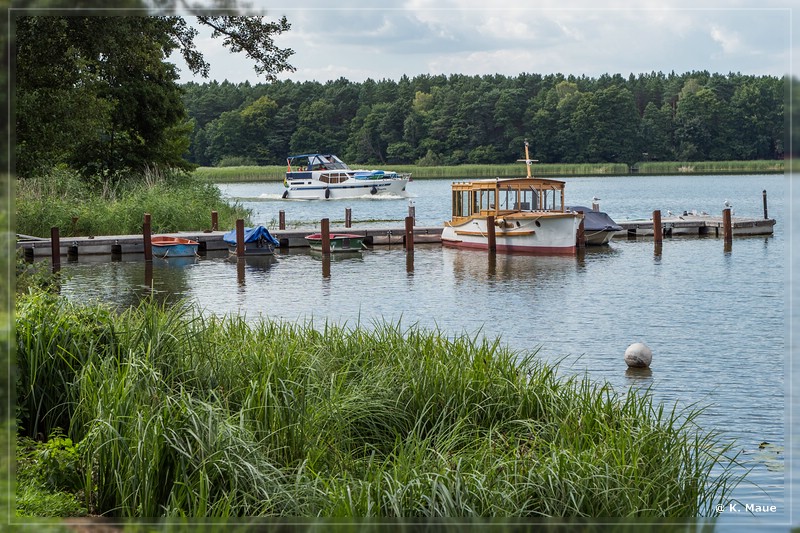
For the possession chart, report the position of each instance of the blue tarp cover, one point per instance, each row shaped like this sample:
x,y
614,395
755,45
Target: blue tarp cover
x,y
251,235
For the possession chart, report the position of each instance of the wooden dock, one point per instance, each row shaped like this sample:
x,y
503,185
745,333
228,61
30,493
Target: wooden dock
x,y
212,240
696,225
689,225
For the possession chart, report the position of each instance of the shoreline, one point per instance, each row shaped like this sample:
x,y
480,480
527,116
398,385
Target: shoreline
x,y
275,173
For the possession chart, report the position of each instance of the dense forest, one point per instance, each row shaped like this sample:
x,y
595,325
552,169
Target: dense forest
x,y
433,120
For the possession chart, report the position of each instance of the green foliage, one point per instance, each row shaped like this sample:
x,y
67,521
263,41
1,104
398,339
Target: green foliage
x,y
176,202
48,478
34,276
436,120
98,93
178,414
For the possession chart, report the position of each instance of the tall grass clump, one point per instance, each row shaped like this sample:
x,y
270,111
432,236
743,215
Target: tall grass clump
x,y
176,202
180,414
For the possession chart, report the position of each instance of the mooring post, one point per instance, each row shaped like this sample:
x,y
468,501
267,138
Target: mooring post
x,y
146,234
727,229
348,217
281,219
239,237
412,211
764,196
55,249
214,221
658,235
325,230
409,233
581,232
491,234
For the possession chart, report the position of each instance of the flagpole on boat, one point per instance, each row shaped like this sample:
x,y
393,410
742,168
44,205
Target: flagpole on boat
x,y
528,159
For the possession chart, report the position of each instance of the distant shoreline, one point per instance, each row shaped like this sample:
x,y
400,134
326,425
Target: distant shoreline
x,y
678,168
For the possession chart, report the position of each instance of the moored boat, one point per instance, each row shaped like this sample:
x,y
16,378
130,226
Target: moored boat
x,y
522,215
325,176
340,242
165,246
598,227
257,241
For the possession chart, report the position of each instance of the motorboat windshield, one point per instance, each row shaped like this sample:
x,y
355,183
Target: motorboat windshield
x,y
313,162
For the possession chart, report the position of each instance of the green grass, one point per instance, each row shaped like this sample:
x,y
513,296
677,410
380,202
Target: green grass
x,y
710,167
277,173
178,414
175,203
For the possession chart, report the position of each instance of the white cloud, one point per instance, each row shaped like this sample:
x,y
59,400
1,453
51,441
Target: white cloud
x,y
728,40
464,36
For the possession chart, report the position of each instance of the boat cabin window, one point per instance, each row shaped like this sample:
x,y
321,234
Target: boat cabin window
x,y
461,204
522,199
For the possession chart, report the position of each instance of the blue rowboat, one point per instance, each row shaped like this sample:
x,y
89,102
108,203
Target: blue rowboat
x,y
163,246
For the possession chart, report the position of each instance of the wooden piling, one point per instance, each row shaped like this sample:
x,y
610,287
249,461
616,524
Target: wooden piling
x,y
348,217
658,235
325,230
764,197
412,212
240,271
148,274
239,237
281,219
55,249
146,234
581,237
214,221
409,234
491,234
727,228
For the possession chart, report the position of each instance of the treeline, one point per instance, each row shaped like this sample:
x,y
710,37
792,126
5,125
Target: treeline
x,y
450,120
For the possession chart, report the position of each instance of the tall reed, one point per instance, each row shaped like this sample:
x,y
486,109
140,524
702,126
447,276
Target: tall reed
x,y
181,414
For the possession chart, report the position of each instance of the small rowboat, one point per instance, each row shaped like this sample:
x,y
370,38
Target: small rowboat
x,y
340,242
163,246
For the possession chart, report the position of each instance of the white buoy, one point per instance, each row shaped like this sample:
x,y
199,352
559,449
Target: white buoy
x,y
638,355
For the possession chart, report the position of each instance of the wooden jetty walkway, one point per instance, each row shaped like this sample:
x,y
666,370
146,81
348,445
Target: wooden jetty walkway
x,y
212,240
688,225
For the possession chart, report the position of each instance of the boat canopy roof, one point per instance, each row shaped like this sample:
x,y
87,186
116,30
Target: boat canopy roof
x,y
330,161
503,183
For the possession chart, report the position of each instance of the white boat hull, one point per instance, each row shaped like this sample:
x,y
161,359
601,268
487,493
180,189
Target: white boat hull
x,y
552,235
351,188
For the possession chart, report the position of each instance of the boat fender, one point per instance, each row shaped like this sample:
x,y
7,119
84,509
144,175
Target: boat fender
x,y
373,190
327,193
285,194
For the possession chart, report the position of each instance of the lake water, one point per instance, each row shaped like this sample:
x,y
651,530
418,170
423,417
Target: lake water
x,y
716,321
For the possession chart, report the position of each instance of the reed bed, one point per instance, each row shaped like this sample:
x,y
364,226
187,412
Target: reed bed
x,y
710,167
277,173
175,203
178,414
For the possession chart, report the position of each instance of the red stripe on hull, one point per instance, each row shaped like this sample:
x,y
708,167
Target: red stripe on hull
x,y
533,250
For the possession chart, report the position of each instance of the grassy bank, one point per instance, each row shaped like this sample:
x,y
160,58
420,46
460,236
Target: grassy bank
x,y
175,202
174,414
276,173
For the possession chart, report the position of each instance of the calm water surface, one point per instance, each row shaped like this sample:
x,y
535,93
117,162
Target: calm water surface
x,y
716,321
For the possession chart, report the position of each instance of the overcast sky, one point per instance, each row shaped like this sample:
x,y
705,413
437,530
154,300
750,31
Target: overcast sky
x,y
415,37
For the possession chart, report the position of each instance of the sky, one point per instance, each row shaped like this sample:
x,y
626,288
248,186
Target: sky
x,y
357,40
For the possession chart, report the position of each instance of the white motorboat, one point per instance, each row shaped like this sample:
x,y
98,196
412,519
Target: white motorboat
x,y
325,176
